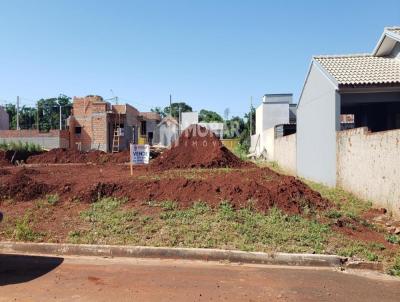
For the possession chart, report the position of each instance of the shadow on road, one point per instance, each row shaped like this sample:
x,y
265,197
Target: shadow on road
x,y
20,268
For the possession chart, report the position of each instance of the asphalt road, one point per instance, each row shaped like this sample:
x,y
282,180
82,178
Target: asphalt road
x,y
25,278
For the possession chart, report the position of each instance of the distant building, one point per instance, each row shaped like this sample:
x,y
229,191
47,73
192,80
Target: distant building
x,y
4,119
192,118
188,118
275,109
97,124
148,124
166,132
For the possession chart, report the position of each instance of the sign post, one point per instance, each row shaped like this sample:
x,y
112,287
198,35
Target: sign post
x,y
139,155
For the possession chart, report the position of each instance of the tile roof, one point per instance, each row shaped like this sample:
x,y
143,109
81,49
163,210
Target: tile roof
x,y
151,116
395,30
356,70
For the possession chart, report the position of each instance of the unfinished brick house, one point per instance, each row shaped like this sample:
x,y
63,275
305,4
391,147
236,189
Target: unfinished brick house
x,y
97,124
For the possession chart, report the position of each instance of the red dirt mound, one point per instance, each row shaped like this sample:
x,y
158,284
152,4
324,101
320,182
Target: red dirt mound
x,y
262,188
21,187
4,172
4,161
65,156
197,147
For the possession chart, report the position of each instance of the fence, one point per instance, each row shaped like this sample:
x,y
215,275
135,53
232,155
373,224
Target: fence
x,y
231,144
368,165
48,140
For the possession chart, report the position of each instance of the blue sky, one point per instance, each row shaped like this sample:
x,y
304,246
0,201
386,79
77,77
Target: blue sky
x,y
210,54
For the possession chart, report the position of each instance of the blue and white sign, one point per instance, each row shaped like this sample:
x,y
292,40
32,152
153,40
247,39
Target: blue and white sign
x,y
140,154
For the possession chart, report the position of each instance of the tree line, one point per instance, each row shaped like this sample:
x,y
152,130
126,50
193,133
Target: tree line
x,y
44,117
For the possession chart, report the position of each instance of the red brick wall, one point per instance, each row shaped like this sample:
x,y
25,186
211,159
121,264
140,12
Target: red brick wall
x,y
89,113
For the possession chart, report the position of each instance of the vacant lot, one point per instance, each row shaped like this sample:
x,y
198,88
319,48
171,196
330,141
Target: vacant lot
x,y
249,208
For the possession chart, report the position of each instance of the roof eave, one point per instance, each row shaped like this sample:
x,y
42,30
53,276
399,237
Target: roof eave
x,y
386,33
323,71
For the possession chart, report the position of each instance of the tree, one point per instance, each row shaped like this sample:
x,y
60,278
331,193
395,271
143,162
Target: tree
x,y
11,110
245,136
49,113
234,127
207,116
175,109
158,110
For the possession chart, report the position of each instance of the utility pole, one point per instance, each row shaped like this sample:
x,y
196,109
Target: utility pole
x,y
60,118
18,113
37,116
170,105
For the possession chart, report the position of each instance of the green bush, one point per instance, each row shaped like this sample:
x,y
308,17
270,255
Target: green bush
x,y
20,146
395,270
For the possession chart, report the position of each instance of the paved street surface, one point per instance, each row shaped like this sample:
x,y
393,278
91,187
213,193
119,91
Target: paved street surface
x,y
24,278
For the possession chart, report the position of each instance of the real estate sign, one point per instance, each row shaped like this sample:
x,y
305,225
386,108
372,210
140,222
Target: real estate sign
x,y
140,154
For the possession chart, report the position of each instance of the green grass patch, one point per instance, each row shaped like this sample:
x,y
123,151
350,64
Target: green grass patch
x,y
23,230
395,269
392,238
348,204
201,226
52,199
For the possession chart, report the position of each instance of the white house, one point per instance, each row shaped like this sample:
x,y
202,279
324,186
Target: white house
x,y
364,85
191,118
166,132
275,109
365,89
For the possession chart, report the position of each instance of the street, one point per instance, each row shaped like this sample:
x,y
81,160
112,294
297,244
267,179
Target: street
x,y
33,278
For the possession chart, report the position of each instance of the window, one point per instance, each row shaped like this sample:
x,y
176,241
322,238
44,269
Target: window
x,y
78,131
143,128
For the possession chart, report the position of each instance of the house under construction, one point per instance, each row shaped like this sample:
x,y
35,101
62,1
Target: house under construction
x,y
97,124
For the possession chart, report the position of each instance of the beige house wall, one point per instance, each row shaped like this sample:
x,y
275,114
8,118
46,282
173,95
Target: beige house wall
x,y
368,165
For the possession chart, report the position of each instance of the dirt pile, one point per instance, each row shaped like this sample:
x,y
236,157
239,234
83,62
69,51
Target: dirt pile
x,y
197,148
4,172
65,156
261,189
3,159
21,187
10,157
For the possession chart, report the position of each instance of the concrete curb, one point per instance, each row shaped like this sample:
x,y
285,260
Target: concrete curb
x,y
365,265
173,253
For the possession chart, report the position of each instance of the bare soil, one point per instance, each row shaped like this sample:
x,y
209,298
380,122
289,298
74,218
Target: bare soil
x,y
64,156
198,148
261,187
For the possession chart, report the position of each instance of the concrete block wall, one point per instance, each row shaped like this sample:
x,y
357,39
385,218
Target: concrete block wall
x,y
48,140
368,165
285,153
